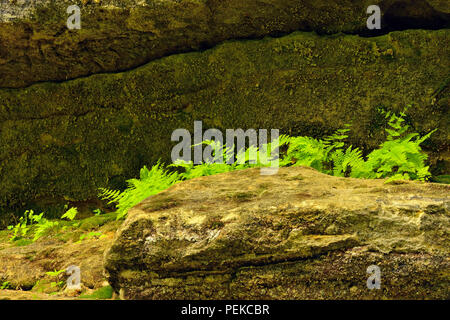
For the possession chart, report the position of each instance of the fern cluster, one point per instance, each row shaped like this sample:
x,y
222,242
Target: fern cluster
x,y
150,182
158,178
249,158
399,157
36,224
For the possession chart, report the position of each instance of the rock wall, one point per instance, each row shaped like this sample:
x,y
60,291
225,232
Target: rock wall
x,y
65,140
298,234
61,139
35,44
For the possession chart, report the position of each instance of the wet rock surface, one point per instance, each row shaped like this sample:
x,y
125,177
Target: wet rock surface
x,y
298,234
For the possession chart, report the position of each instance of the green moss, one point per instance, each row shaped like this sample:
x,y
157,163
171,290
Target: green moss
x,y
160,30
96,221
100,294
441,179
23,242
56,147
242,196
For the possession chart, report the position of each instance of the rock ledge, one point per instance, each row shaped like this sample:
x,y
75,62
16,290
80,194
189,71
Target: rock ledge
x,y
299,234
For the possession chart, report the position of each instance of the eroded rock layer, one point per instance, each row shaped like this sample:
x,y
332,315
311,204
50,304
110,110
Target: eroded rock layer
x,y
116,35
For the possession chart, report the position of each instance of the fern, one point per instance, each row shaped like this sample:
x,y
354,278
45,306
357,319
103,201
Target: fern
x,y
70,214
43,227
336,140
305,151
349,163
151,182
399,157
206,168
31,221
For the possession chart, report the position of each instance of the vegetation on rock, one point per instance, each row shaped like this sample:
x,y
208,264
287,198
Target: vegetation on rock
x,y
57,147
400,157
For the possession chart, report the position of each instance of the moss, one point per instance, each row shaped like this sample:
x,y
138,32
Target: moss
x,y
23,242
169,27
100,294
96,221
241,196
442,179
110,31
46,286
55,146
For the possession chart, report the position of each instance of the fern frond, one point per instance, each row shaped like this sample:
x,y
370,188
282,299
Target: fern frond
x,y
151,182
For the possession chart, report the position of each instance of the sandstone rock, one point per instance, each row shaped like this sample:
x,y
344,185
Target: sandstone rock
x,y
25,267
28,295
298,234
62,141
36,45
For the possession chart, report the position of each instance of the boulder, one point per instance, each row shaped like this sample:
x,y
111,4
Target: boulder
x,y
25,266
62,141
36,45
298,234
29,267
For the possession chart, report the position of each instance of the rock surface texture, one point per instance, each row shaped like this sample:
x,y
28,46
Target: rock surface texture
x,y
66,140
62,139
298,234
36,45
25,266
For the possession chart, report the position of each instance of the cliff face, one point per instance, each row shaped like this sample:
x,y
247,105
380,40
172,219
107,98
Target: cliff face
x,y
298,234
83,109
61,139
35,44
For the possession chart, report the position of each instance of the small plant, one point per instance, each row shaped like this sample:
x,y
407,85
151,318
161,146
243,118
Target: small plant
x,y
37,224
55,274
90,235
400,157
70,214
21,229
43,227
97,212
5,285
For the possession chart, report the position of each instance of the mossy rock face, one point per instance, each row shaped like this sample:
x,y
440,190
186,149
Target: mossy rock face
x,y
312,238
36,45
63,141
